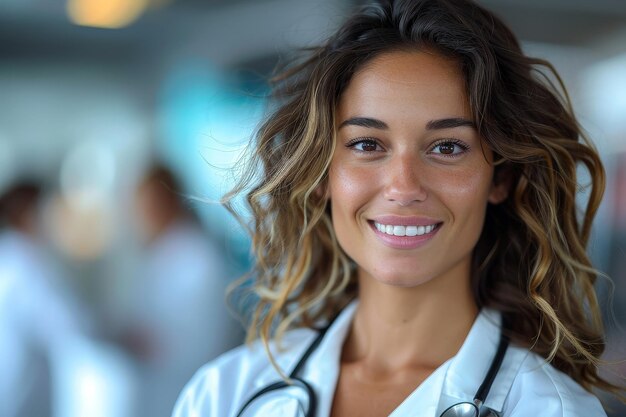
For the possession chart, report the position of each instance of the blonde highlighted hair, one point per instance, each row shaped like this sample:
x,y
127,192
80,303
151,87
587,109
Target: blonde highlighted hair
x,y
530,262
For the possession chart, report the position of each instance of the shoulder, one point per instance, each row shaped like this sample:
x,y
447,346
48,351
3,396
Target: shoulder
x,y
220,387
542,390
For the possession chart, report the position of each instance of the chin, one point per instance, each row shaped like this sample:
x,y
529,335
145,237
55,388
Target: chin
x,y
399,279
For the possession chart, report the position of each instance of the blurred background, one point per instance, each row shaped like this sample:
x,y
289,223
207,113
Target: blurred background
x,y
119,121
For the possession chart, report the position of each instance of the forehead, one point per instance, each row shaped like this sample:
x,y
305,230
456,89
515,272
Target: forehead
x,y
407,81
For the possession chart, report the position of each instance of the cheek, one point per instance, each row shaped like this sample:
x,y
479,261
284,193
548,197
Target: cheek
x,y
468,197
349,187
475,179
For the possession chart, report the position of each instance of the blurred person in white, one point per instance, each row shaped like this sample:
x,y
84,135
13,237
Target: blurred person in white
x,y
179,315
38,316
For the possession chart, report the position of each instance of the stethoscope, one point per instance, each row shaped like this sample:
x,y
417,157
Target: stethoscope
x,y
475,408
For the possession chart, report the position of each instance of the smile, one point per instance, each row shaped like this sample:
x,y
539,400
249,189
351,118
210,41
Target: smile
x,y
399,230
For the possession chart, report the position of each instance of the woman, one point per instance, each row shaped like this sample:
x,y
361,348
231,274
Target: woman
x,y
418,186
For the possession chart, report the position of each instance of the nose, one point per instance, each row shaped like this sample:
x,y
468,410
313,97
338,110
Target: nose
x,y
405,181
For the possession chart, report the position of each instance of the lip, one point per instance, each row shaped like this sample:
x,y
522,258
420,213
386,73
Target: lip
x,y
404,242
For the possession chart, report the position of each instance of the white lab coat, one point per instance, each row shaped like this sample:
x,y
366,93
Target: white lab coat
x,y
525,386
179,302
38,321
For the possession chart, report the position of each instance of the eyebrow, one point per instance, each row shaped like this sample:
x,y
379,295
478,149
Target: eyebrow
x,y
364,122
449,123
369,122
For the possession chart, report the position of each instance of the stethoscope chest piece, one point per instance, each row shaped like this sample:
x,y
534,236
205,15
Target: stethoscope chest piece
x,y
465,409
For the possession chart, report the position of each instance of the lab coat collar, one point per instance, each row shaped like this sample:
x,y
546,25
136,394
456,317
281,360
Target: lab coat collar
x,y
321,370
457,380
323,362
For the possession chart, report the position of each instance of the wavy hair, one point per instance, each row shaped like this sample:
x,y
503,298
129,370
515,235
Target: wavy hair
x,y
530,262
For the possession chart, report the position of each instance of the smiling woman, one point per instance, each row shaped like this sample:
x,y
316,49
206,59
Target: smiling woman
x,y
418,163
417,199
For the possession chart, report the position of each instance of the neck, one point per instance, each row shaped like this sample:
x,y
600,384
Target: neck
x,y
422,326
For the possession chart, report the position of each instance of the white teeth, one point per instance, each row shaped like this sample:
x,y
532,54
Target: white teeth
x,y
399,230
404,230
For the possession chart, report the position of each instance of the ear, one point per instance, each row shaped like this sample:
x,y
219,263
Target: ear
x,y
502,180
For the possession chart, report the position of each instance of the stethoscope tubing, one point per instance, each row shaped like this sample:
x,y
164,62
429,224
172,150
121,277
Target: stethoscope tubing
x,y
293,377
496,364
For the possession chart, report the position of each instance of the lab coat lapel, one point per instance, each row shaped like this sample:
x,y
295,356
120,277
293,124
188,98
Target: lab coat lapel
x,y
468,368
458,379
322,368
423,401
287,355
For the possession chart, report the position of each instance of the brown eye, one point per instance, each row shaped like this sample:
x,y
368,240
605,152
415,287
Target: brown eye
x,y
446,148
365,145
450,148
368,146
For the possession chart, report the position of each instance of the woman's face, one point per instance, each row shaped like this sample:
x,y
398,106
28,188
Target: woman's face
x,y
410,178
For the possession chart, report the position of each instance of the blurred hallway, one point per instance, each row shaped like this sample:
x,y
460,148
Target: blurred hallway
x,y
93,97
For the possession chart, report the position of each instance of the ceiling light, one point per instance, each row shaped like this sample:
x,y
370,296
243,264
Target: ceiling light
x,y
110,14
